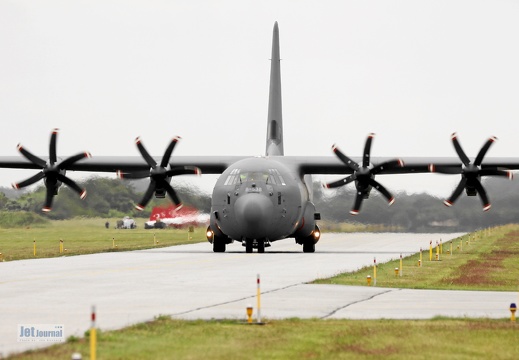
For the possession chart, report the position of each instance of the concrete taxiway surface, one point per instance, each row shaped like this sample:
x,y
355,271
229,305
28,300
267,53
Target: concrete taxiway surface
x,y
192,282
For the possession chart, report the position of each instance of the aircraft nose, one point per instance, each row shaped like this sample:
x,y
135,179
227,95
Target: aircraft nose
x,y
254,212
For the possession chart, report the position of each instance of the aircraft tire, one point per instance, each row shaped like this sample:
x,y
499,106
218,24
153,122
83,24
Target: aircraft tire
x,y
248,246
309,245
218,245
261,246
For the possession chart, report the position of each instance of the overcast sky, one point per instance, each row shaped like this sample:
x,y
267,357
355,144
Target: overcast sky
x,y
413,72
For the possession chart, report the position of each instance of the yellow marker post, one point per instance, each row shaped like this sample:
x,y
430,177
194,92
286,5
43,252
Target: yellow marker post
x,y
430,250
437,252
113,243
451,248
34,248
513,309
374,271
93,336
61,246
249,314
401,265
461,245
421,255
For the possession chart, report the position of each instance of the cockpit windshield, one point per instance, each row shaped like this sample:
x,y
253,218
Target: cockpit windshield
x,y
272,176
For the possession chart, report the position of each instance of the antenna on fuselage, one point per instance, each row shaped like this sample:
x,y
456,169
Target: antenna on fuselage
x,y
275,118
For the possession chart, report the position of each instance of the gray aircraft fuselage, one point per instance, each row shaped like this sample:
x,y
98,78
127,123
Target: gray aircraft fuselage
x,y
260,198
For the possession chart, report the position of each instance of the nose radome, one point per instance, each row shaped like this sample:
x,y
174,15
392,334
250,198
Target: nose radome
x,y
253,212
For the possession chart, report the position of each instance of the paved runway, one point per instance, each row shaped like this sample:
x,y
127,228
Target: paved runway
x,y
192,282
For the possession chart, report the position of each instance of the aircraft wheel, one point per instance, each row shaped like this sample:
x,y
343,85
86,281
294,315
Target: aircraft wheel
x,y
248,245
218,245
261,245
309,245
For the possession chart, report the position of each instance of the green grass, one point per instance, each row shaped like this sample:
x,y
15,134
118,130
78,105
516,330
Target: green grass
x,y
300,339
485,260
85,236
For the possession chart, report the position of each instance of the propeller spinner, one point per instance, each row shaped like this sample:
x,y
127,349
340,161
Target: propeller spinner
x,y
471,173
364,176
159,174
53,172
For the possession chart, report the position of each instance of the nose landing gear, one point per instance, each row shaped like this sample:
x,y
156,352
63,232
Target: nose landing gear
x,y
259,244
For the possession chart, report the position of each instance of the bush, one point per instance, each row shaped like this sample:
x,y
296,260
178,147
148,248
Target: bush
x,y
20,219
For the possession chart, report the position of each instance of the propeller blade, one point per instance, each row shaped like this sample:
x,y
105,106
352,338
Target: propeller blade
x,y
367,150
492,172
346,160
456,193
167,154
391,164
149,160
72,184
183,170
345,181
483,151
32,158
73,159
445,169
49,195
463,157
136,175
52,147
172,194
147,196
382,190
483,195
358,203
33,179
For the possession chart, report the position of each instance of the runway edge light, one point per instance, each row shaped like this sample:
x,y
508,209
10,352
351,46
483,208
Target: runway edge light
x,y
513,309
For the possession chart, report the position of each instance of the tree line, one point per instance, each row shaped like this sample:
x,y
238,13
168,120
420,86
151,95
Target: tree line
x,y
411,212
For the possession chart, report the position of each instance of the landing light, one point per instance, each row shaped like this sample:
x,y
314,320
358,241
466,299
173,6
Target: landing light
x,y
209,234
317,235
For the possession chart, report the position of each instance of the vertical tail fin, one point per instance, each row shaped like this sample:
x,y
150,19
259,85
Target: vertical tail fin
x,y
275,119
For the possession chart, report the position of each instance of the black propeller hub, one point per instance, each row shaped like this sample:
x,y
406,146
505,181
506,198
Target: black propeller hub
x,y
52,172
364,176
159,174
471,173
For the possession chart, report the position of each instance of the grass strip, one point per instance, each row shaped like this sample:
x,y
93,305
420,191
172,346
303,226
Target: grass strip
x,y
86,236
165,338
484,260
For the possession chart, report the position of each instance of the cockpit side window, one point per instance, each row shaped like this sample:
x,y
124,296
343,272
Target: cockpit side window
x,y
277,175
233,178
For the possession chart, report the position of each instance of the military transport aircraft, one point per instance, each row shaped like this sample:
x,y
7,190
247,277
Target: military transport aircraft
x,y
259,200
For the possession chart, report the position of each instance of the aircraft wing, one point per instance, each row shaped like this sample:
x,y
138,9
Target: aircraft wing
x,y
330,165
207,164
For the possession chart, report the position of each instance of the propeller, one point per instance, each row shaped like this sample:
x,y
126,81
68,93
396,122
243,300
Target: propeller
x,y
53,172
364,175
471,173
159,174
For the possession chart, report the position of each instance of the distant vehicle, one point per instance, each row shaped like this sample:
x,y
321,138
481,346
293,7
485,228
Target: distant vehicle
x,y
126,223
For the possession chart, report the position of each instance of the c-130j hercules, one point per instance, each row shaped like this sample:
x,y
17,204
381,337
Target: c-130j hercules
x,y
259,200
